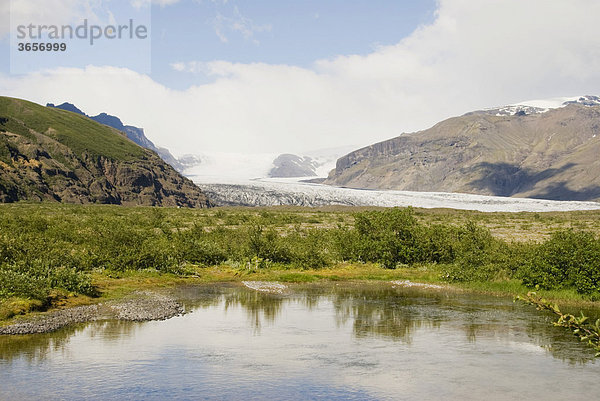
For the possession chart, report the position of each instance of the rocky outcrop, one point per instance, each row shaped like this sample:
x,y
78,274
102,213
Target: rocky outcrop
x,y
522,152
288,165
76,160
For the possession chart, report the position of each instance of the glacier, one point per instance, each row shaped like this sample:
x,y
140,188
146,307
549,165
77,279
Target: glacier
x,y
280,192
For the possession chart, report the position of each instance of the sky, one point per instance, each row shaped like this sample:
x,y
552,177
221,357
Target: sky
x,y
292,76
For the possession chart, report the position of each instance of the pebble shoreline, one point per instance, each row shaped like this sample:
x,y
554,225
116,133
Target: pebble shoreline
x,y
142,306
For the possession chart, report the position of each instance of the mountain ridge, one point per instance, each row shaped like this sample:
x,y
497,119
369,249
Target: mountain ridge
x,y
548,154
136,134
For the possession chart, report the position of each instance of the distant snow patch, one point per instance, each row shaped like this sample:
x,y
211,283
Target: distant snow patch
x,y
513,110
540,106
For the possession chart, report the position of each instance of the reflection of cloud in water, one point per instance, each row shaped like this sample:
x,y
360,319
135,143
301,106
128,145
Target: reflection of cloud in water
x,y
395,313
259,306
36,347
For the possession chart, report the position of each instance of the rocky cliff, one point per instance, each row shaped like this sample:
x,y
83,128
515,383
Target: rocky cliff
x,y
513,151
288,165
56,155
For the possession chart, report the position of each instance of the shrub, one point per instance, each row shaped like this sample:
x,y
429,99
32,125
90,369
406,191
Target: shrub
x,y
389,237
478,256
475,246
310,249
346,243
568,258
267,244
203,252
35,280
71,280
439,244
17,283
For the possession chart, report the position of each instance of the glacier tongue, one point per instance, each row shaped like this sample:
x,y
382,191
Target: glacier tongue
x,y
288,192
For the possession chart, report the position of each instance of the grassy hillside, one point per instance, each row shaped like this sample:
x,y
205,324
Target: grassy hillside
x,y
56,155
77,132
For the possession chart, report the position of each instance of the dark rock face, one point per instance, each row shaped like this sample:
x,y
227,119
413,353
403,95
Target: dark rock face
x,y
288,165
37,166
548,155
134,133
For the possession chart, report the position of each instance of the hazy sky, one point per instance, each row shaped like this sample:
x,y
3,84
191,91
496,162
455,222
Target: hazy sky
x,y
290,75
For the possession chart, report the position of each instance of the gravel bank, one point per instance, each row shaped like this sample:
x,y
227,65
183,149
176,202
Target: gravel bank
x,y
141,306
146,306
53,321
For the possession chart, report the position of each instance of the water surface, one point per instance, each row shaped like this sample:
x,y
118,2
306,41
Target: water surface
x,y
345,341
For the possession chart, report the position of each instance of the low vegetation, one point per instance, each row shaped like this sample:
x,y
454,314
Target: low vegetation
x,y
580,325
49,251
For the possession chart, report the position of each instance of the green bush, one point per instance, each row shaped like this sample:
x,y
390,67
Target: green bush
x,y
19,283
389,237
310,249
473,254
200,251
346,244
568,259
439,244
43,247
35,280
267,244
71,280
475,246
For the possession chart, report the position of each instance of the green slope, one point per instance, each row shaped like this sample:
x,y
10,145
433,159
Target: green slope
x,y
77,132
48,154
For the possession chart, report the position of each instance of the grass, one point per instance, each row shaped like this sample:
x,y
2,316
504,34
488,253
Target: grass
x,y
58,255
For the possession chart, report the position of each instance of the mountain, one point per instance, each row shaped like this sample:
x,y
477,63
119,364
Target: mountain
x,y
134,133
57,155
520,151
288,165
315,163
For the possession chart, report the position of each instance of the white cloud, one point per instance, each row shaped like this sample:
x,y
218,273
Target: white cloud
x,y
180,67
474,55
237,23
4,19
59,12
47,12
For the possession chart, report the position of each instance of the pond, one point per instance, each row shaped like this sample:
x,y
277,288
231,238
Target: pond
x,y
347,341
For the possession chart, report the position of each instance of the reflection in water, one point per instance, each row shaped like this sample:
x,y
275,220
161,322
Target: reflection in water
x,y
395,313
381,312
35,346
351,341
257,305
